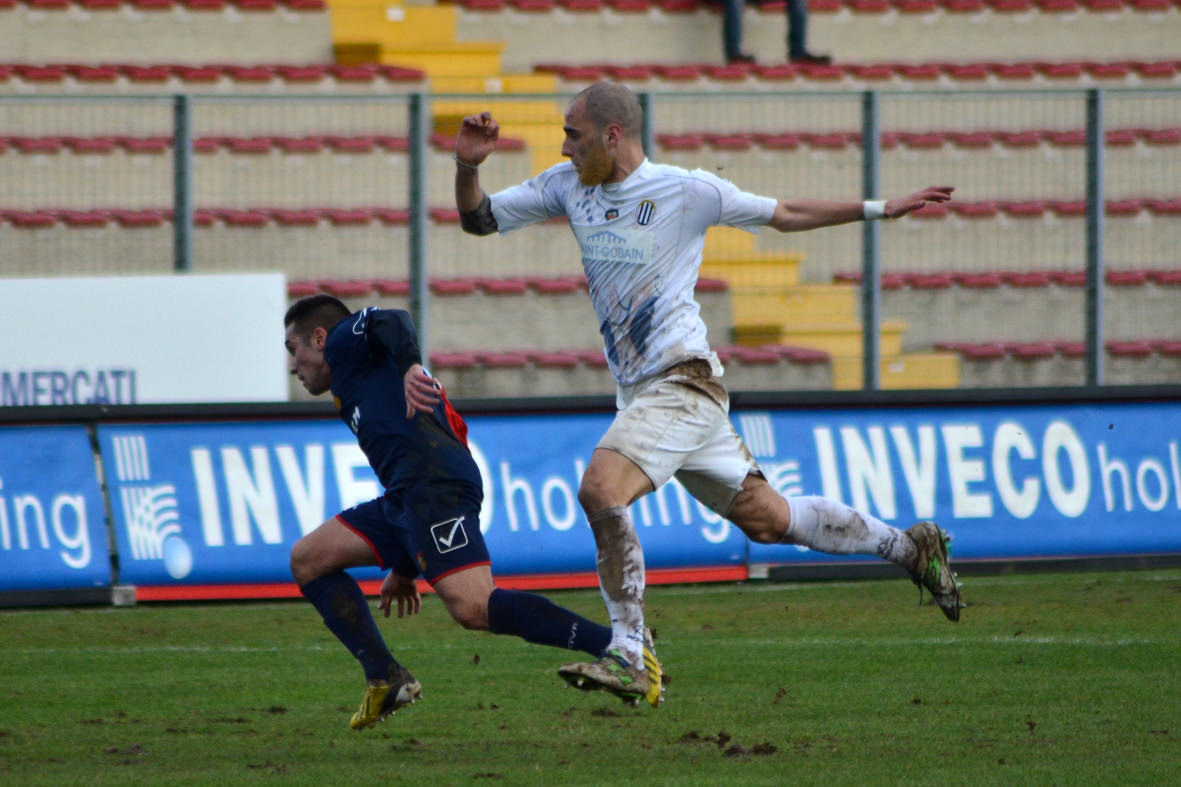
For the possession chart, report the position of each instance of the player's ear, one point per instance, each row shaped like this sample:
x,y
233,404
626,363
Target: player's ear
x,y
319,336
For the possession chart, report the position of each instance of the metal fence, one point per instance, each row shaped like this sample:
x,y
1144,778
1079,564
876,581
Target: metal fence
x,y
1062,239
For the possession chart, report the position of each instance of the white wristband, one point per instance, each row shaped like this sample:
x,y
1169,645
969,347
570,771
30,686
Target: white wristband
x,y
471,166
874,209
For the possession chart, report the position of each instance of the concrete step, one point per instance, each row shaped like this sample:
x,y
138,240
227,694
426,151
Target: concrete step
x,y
836,339
808,303
753,270
902,371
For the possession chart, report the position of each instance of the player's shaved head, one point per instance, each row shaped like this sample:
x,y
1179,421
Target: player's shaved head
x,y
611,102
315,311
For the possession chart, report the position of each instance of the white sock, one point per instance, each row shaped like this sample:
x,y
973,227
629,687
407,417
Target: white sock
x,y
620,561
830,526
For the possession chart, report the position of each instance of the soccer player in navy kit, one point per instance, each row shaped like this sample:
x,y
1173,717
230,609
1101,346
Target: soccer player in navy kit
x,y
428,519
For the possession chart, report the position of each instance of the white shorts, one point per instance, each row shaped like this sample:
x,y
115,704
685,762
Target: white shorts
x,y
678,423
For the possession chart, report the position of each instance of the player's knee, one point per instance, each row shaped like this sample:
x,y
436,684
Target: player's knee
x,y
469,614
592,496
303,566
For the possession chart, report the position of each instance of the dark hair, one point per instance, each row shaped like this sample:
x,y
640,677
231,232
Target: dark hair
x,y
611,102
315,311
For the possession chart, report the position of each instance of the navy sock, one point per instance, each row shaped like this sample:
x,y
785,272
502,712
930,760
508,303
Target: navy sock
x,y
346,613
536,619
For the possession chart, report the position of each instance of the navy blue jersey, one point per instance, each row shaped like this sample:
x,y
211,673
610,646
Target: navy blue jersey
x,y
368,353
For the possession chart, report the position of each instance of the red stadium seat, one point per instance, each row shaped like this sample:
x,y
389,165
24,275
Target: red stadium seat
x,y
977,281
1031,279
1011,6
1133,278
705,284
302,289
1066,139
554,360
83,218
295,218
1129,349
348,288
1123,207
1013,71
30,219
971,139
503,360
975,210
392,287
730,141
509,286
453,286
82,145
453,360
1071,349
916,6
38,145
779,141
929,281
1069,278
984,351
544,285
298,144
249,145
242,218
677,73
1023,209
681,141
1031,350
139,145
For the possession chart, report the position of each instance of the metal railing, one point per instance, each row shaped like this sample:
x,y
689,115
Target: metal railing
x,y
1060,183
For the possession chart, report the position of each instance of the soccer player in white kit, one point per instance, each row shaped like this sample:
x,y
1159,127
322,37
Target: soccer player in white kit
x,y
641,227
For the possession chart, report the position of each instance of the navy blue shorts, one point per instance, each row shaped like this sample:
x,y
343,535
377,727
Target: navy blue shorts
x,y
434,535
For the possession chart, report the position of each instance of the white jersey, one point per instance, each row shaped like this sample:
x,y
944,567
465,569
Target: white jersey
x,y
641,242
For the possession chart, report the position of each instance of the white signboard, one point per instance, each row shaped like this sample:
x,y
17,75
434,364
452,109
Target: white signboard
x,y
143,339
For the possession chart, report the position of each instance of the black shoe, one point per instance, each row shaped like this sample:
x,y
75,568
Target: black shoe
x,y
810,59
740,58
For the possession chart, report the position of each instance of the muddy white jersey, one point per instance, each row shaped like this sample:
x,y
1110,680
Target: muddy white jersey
x,y
641,243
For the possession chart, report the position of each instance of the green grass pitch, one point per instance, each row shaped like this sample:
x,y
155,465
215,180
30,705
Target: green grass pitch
x,y
1061,679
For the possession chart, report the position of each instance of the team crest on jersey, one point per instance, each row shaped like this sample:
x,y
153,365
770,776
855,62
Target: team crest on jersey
x,y
449,535
611,214
645,212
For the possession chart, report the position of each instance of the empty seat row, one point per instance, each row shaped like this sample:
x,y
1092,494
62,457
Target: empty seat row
x,y
915,140
990,280
1128,348
208,74
308,143
165,5
999,73
669,142
829,6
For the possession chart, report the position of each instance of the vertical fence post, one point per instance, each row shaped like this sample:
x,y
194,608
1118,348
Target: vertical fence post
x,y
182,183
647,123
417,198
1095,218
870,248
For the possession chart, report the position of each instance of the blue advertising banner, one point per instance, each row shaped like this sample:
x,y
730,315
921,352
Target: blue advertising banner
x,y
223,502
53,533
1008,482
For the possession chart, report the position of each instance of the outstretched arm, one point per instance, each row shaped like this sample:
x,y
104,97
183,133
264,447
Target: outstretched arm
x,y
810,214
475,141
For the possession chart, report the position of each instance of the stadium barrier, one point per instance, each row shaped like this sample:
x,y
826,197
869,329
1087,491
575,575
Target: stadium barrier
x,y
119,504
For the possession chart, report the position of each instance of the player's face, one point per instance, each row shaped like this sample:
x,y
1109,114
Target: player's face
x,y
585,148
307,360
